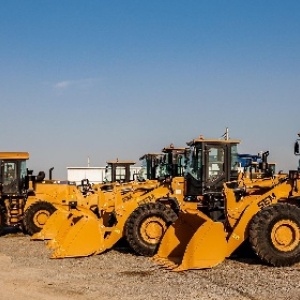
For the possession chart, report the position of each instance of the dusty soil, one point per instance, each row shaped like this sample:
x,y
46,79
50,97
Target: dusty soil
x,y
27,272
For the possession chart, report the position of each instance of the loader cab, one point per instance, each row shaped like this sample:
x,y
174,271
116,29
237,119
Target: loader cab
x,y
13,173
173,162
259,167
210,163
118,171
246,160
150,166
169,163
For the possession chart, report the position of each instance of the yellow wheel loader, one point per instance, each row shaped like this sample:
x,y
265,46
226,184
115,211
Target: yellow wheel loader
x,y
146,224
45,196
86,234
141,214
17,185
102,200
27,201
265,211
13,188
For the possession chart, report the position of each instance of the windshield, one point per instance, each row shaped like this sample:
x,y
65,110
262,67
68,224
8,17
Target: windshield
x,y
165,169
180,165
216,160
120,174
10,172
23,170
235,160
142,173
194,163
12,176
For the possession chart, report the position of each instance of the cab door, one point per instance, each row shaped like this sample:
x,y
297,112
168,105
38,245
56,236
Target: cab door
x,y
10,181
215,157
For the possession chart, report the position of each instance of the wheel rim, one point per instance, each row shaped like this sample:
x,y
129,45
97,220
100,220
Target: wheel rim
x,y
285,235
41,217
153,229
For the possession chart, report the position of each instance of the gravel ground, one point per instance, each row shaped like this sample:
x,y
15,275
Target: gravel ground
x,y
28,272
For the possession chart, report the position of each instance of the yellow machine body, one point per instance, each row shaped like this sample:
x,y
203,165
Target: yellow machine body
x,y
12,191
68,230
126,208
55,192
101,201
119,203
194,241
46,196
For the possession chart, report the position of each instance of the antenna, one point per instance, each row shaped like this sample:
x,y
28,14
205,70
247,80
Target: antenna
x,y
226,134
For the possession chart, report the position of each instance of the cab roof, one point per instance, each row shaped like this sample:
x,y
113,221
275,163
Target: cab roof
x,y
175,149
151,155
213,141
121,162
14,155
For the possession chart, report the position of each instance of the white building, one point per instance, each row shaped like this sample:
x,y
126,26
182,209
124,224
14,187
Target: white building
x,y
96,174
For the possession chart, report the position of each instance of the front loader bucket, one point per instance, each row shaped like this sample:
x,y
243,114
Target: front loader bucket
x,y
56,222
62,229
84,237
194,241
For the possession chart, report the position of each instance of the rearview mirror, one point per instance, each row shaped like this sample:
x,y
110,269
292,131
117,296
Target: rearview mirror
x,y
297,148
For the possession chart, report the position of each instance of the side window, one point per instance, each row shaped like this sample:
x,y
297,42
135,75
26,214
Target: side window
x,y
10,171
180,160
120,174
23,170
235,158
215,163
195,163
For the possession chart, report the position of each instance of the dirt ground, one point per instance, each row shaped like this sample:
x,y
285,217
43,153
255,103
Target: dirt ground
x,y
27,272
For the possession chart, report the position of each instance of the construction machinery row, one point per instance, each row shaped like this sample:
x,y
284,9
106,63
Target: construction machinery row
x,y
189,207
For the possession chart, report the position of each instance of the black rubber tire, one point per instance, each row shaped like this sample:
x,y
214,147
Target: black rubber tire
x,y
29,223
262,234
2,219
133,226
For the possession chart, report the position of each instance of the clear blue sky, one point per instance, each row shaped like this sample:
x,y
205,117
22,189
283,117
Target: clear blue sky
x,y
119,78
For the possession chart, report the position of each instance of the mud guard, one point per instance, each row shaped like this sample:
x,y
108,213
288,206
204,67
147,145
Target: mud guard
x,y
194,241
